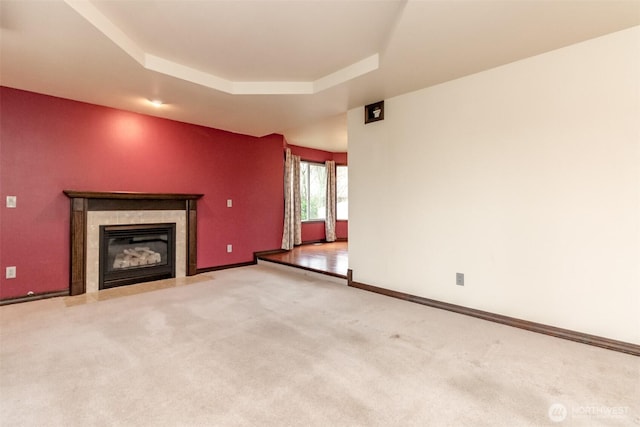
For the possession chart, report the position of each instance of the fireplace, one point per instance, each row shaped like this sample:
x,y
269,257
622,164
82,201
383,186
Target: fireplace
x,y
124,211
136,253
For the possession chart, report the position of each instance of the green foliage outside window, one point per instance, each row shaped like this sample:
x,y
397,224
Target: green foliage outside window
x,y
313,193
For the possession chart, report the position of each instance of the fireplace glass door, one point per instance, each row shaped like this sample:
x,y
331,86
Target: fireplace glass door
x,y
136,253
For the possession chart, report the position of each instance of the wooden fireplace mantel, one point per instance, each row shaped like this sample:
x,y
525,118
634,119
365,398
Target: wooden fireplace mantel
x,y
130,195
85,201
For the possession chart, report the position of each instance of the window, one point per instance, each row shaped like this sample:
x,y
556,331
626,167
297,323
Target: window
x,y
342,192
313,191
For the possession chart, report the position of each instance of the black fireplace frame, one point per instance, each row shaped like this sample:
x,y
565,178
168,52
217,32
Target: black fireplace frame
x,y
111,279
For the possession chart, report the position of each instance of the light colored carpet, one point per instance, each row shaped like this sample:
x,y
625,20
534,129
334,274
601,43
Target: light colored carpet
x,y
258,346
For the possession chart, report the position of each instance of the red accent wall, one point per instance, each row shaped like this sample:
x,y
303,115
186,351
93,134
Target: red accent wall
x,y
314,231
50,144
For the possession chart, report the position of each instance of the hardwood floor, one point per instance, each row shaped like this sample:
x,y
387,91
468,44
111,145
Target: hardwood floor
x,y
326,258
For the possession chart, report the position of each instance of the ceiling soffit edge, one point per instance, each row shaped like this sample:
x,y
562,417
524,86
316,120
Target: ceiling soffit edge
x,y
161,65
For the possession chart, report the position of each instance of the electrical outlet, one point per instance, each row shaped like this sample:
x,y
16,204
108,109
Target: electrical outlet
x,y
11,273
459,279
12,201
229,248
229,203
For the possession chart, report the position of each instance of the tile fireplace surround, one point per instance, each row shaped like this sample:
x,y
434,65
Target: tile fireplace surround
x,y
90,210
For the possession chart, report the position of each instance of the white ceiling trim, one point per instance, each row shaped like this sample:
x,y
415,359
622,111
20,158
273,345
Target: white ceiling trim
x,y
173,69
161,65
89,12
350,72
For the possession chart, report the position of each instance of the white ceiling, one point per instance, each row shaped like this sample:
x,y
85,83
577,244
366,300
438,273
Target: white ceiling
x,y
274,66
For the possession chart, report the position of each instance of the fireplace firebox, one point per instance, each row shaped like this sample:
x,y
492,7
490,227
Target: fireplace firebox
x,y
136,253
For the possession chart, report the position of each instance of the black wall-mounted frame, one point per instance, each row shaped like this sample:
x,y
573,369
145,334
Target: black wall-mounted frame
x,y
374,112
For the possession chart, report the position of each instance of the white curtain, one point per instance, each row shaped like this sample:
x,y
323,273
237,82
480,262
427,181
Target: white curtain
x,y
291,234
330,221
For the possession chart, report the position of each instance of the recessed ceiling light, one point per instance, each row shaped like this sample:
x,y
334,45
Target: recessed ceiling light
x,y
156,102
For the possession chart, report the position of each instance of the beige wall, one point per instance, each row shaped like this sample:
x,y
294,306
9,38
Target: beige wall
x,y
526,178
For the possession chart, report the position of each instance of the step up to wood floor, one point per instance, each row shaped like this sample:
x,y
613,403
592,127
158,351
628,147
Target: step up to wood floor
x,y
315,274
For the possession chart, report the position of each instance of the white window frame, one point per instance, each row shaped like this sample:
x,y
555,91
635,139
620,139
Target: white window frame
x,y
307,164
